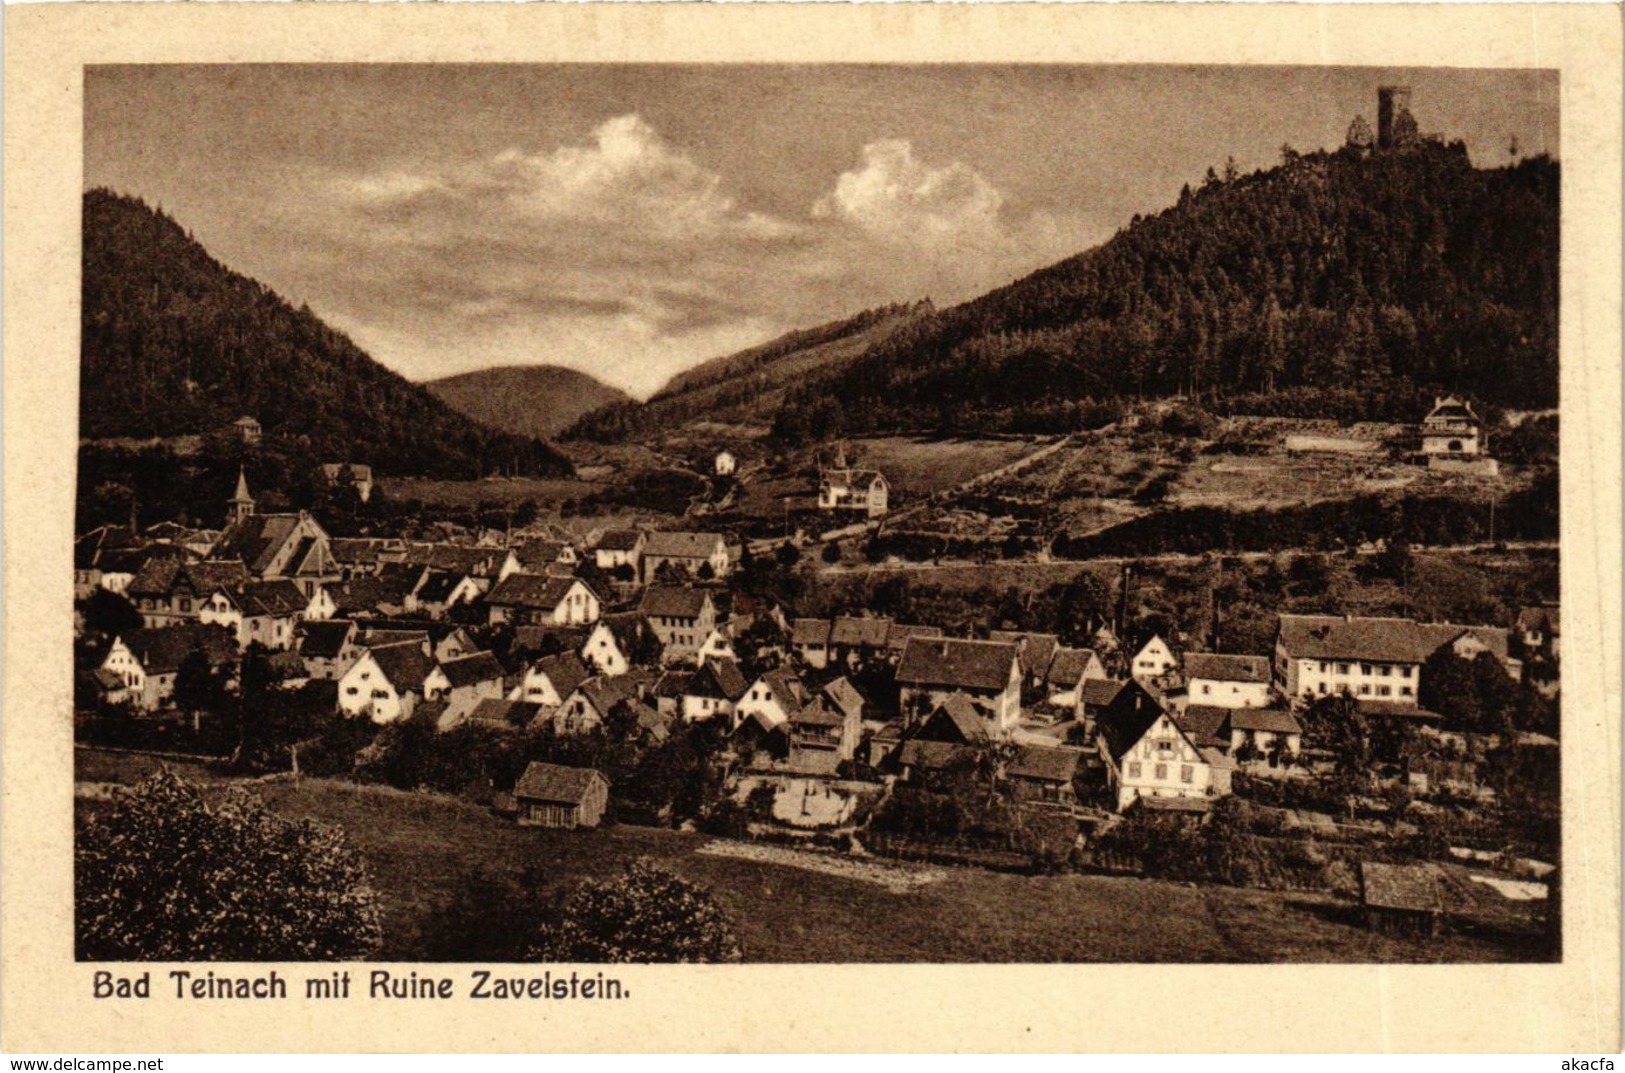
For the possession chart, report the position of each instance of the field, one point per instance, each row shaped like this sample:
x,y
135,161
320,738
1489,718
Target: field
x,y
918,466
422,848
501,491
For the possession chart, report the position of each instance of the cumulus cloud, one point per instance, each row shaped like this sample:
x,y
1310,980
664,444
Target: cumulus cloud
x,y
893,193
624,256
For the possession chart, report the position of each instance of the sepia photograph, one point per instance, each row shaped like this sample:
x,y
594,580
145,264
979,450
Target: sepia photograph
x,y
786,513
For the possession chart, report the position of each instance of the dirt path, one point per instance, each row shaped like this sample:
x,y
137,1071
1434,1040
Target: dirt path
x,y
895,879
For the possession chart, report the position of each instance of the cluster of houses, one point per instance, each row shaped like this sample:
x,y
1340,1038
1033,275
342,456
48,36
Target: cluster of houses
x,y
666,643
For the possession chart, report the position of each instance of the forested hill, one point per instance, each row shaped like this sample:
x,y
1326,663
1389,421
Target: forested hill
x,y
1337,284
527,400
747,387
175,343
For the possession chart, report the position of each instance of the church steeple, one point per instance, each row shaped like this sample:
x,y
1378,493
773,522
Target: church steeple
x,y
241,504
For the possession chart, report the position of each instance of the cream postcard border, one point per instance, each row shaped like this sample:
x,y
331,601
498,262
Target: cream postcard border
x,y
46,1004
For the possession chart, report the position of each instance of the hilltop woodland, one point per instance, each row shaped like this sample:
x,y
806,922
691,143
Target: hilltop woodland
x,y
1348,285
174,343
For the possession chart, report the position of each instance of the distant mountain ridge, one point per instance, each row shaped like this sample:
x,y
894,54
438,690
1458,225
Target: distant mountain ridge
x,y
747,387
526,400
175,343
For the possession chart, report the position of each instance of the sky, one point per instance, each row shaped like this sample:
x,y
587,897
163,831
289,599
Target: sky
x,y
632,221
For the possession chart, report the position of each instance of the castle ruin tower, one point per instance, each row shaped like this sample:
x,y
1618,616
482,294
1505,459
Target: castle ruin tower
x,y
1393,116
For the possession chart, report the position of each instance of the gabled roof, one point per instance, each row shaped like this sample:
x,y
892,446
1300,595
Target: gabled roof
x,y
1227,668
365,593
960,716
1399,886
1385,640
1451,408
625,626
845,698
672,684
673,601
1547,617
1123,724
851,477
958,664
257,538
816,714
541,591
619,540
897,637
161,575
719,678
1037,649
278,599
1099,692
1273,720
810,631
510,713
1205,725
325,640
1391,709
480,562
931,755
859,632
604,693
354,550
404,665
671,545
471,669
1068,666
162,651
539,552
360,471
787,689
565,671
1043,763
555,784
531,638
438,586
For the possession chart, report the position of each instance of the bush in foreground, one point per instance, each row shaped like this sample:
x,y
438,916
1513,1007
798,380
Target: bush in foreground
x,y
164,876
645,914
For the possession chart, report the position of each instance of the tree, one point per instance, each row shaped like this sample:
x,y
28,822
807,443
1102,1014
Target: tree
x,y
831,553
162,875
1395,560
198,686
1359,135
1085,603
109,613
645,914
788,555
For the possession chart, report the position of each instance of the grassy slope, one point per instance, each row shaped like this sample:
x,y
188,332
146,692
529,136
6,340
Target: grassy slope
x,y
421,847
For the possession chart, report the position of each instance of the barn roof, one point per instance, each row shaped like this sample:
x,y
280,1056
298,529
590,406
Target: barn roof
x,y
1226,668
810,631
1273,720
673,601
1099,692
555,783
1204,724
1547,616
1044,763
619,540
856,632
931,755
670,545
541,591
959,664
1385,640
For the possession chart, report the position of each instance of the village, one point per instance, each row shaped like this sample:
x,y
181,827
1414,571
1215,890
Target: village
x,y
659,675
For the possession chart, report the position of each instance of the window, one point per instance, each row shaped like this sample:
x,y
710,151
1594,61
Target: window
x,y
1323,666
1342,668
1383,691
1206,689
1134,769
1365,669
1404,691
1365,691
1405,672
1162,771
1322,688
1187,773
352,691
1384,671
